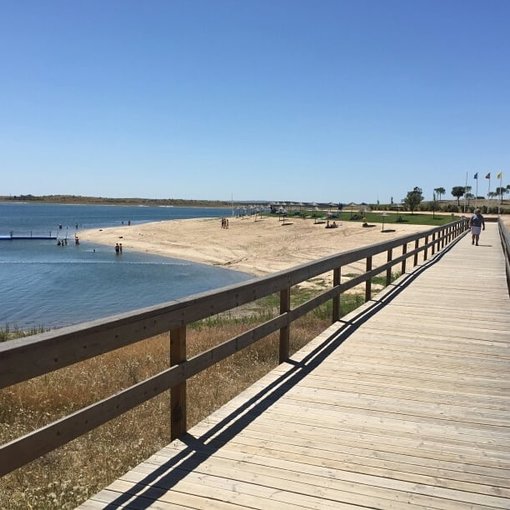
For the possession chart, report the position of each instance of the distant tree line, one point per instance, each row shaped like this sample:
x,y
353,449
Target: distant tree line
x,y
413,201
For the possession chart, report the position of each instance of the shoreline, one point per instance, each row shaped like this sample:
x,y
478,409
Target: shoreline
x,y
255,245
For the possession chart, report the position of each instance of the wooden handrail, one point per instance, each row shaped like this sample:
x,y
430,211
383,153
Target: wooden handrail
x,y
505,243
23,359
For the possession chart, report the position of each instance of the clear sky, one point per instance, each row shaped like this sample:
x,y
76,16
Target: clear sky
x,y
288,100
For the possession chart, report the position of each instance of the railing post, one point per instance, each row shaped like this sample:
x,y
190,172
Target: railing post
x,y
337,278
416,246
426,248
433,249
389,258
177,393
404,251
284,332
368,283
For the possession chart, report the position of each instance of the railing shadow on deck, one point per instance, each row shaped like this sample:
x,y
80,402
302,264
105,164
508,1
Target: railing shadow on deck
x,y
23,359
199,449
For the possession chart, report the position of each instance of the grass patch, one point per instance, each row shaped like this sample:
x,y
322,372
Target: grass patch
x,y
390,218
11,332
396,218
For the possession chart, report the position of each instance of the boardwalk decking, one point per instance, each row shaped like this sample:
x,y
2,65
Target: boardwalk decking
x,y
404,404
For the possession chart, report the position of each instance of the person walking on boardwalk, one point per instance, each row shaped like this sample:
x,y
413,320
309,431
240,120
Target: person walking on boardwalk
x,y
476,223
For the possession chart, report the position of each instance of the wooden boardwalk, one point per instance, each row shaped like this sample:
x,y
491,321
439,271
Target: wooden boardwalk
x,y
403,404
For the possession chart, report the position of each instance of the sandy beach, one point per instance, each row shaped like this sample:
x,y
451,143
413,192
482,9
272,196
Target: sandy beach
x,y
257,246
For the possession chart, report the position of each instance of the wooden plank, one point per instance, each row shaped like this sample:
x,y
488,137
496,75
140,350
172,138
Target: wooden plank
x,y
372,445
355,459
353,488
214,487
452,445
178,400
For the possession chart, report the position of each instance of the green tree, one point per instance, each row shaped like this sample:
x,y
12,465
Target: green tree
x,y
440,192
467,194
457,192
433,205
413,199
501,191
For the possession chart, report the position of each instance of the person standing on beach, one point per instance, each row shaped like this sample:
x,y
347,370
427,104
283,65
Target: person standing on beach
x,y
476,223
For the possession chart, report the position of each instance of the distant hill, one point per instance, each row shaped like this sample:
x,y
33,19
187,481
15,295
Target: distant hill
x,y
77,199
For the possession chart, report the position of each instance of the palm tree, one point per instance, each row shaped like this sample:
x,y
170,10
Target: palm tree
x,y
501,191
440,192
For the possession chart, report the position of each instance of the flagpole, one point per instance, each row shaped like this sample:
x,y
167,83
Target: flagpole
x,y
476,199
500,192
465,193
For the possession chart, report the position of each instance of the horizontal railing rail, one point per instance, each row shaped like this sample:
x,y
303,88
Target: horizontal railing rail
x,y
23,359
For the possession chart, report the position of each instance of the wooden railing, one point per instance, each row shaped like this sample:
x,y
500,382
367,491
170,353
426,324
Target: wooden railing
x,y
40,354
505,243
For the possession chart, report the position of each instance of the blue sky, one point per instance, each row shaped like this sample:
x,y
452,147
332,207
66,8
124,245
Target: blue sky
x,y
316,100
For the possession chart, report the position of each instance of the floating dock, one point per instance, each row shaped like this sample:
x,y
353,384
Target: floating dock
x,y
13,236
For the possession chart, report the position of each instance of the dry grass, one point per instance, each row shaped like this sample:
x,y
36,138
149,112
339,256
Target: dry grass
x,y
64,478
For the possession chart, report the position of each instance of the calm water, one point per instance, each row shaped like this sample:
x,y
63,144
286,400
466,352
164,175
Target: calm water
x,y
42,284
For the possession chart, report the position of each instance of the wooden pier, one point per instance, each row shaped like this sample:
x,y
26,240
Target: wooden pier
x,y
14,236
405,403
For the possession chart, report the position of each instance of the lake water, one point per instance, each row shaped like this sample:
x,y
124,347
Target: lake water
x,y
42,284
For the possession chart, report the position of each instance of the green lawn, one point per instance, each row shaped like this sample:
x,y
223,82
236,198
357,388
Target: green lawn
x,y
395,217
